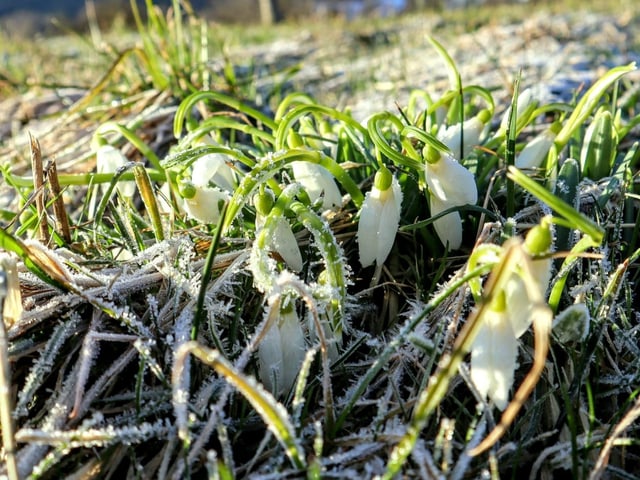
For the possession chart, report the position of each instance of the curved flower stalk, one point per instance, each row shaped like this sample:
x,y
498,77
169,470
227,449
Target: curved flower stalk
x,y
462,137
282,349
450,185
535,152
108,160
510,314
379,219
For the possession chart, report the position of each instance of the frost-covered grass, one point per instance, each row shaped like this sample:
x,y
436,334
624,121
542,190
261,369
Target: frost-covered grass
x,y
279,290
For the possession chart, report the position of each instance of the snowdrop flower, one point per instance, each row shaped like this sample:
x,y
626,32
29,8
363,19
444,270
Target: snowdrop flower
x,y
213,168
494,354
525,105
451,185
281,350
534,152
379,218
283,240
203,203
494,350
108,160
462,137
318,182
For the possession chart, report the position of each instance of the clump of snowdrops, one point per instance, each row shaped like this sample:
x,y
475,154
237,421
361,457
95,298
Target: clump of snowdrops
x,y
302,294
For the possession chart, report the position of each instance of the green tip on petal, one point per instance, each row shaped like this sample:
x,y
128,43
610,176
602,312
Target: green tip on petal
x,y
484,116
383,179
431,154
499,303
539,239
187,189
294,140
264,201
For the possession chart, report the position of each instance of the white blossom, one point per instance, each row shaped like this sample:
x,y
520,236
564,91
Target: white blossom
x,y
493,356
462,137
451,185
108,160
318,182
282,351
379,219
534,152
495,348
213,168
205,205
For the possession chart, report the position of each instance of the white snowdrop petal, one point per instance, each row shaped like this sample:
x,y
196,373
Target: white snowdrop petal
x,y
387,228
449,227
493,358
467,133
108,160
518,297
533,154
378,224
367,230
213,168
270,358
286,244
293,348
451,182
205,205
317,181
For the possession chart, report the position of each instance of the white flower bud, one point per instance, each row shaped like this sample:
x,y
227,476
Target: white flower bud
x,y
379,219
281,352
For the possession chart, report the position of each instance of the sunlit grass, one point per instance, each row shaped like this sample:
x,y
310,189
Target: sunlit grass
x,y
207,311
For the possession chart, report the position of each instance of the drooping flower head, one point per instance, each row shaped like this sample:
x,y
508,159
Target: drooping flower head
x,y
462,137
534,152
282,349
379,218
108,160
450,185
509,315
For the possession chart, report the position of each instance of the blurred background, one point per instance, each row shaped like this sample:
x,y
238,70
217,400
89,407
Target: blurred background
x,y
27,17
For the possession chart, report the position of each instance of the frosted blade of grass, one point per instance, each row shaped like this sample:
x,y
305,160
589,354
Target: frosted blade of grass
x,y
573,217
42,367
149,199
395,343
6,417
272,412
